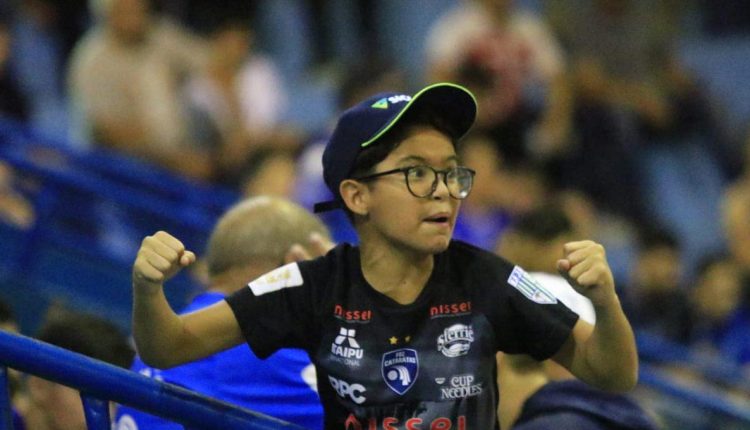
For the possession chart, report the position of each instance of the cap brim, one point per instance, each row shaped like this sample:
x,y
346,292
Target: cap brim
x,y
455,103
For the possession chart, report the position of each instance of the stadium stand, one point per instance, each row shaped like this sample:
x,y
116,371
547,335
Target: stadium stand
x,y
65,256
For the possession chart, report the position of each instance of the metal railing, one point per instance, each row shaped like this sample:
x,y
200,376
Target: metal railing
x,y
99,383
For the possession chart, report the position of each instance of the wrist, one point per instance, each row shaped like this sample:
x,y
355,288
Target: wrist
x,y
145,289
603,304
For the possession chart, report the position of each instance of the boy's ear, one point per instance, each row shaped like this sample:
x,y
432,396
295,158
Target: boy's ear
x,y
355,196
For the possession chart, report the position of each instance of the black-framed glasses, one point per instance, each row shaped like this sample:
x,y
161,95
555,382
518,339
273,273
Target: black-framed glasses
x,y
422,181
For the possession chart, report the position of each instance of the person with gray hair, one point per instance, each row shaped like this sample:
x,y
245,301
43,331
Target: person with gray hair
x,y
252,238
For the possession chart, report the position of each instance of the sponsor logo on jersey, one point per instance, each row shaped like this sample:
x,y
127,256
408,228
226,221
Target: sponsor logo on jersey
x,y
357,316
393,423
530,287
456,340
400,369
450,310
347,390
460,386
346,346
283,277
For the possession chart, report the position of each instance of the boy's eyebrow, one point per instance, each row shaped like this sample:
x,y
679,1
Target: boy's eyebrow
x,y
423,160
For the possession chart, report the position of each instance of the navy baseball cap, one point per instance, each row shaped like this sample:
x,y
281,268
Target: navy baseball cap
x,y
365,123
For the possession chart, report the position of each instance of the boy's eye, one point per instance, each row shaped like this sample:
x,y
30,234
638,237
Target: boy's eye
x,y
419,172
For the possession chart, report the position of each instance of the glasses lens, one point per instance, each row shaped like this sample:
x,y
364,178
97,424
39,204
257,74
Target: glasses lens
x,y
460,180
419,179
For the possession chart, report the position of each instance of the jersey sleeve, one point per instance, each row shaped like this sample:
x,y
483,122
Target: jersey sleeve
x,y
275,311
536,323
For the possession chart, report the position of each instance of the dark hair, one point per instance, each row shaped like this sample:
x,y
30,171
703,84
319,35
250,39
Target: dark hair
x,y
544,223
652,237
6,313
254,162
709,261
369,157
88,335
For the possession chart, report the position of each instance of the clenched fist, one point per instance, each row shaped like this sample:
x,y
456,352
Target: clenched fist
x,y
584,265
160,257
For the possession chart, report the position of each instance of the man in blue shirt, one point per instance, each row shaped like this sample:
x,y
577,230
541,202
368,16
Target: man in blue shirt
x,y
251,239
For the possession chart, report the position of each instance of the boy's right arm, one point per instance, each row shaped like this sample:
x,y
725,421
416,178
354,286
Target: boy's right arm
x,y
163,338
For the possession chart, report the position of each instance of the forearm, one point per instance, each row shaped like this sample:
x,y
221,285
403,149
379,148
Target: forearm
x,y
609,356
157,329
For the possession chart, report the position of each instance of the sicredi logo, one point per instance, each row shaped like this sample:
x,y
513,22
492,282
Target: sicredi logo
x,y
345,345
399,98
383,103
345,389
455,340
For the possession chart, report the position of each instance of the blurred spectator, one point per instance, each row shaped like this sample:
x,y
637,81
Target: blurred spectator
x,y
125,80
335,39
501,192
13,102
735,216
270,172
513,64
644,128
543,395
8,323
201,15
237,102
654,299
50,406
15,209
535,240
722,317
482,219
7,319
43,33
252,238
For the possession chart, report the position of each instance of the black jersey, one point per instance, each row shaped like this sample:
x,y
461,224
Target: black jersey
x,y
426,365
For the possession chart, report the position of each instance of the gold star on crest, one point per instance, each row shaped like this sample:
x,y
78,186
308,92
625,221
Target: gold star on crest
x,y
407,339
393,340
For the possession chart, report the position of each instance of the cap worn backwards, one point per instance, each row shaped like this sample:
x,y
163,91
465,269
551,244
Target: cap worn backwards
x,y
365,123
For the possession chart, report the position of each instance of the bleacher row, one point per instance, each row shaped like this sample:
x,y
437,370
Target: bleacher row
x,y
92,209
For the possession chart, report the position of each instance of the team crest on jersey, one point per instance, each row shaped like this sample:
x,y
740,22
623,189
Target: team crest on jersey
x,y
530,287
456,340
277,279
400,369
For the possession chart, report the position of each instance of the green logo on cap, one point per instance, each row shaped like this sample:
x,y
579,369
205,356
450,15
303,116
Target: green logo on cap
x,y
381,104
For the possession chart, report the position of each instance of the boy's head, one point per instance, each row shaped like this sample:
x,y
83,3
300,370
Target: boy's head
x,y
368,132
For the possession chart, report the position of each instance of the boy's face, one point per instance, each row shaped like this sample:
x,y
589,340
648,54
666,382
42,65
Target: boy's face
x,y
421,224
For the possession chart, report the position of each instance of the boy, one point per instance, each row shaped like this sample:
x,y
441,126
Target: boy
x,y
403,329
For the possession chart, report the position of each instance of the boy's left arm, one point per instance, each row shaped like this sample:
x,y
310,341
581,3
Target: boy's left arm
x,y
604,355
